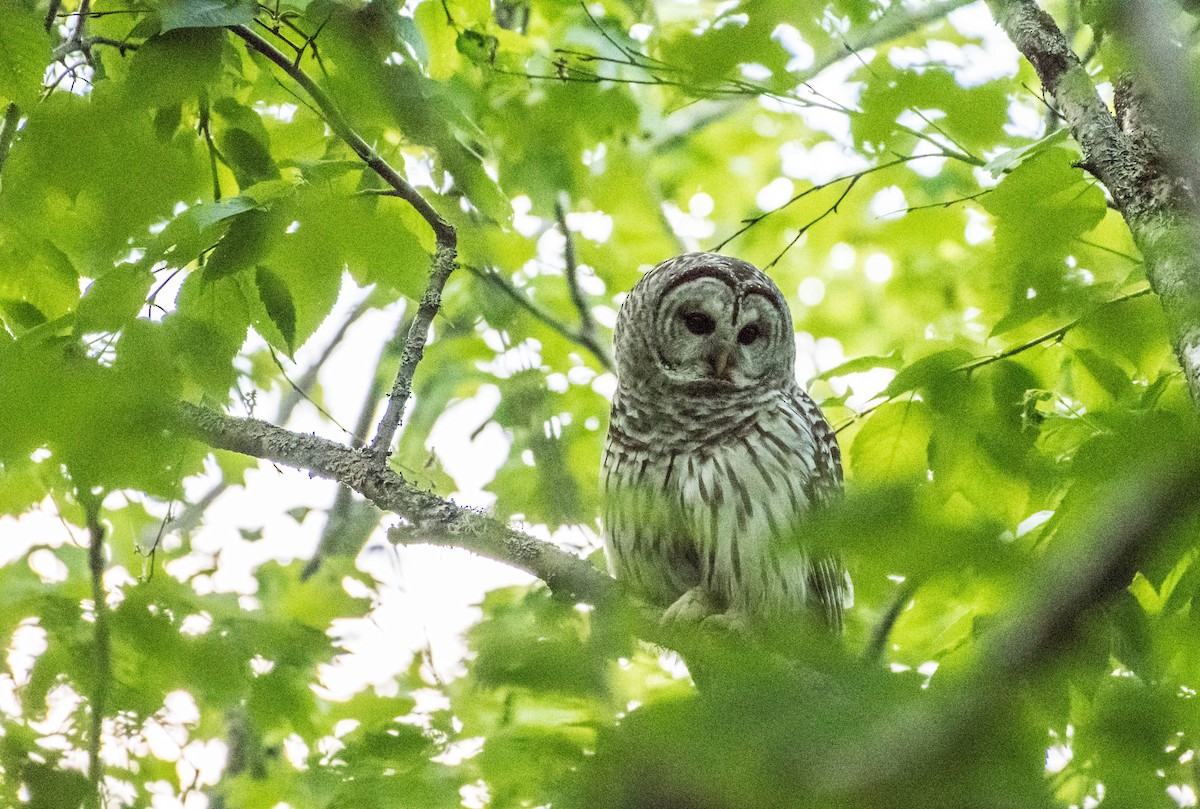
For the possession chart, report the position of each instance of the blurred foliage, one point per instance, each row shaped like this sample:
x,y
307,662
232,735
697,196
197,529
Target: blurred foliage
x,y
177,221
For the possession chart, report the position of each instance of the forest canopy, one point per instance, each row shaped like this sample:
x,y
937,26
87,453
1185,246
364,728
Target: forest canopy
x,y
382,245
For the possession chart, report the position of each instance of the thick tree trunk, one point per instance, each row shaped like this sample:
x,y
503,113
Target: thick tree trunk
x,y
1126,156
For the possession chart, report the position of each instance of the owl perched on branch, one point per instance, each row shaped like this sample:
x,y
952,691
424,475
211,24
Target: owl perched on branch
x,y
715,454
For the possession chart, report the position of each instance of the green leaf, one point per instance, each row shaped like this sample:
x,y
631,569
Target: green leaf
x,y
193,231
179,65
278,302
1041,206
24,54
928,372
250,237
113,299
21,315
893,444
249,157
1006,161
205,13
860,364
1107,373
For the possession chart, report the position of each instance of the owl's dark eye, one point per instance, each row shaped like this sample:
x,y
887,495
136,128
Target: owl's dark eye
x,y
749,334
699,323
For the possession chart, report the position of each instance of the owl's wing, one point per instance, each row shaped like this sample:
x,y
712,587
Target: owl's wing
x,y
831,588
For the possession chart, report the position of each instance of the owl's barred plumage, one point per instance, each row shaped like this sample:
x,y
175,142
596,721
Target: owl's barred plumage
x,y
715,454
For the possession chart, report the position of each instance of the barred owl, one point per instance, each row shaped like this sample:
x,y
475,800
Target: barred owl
x,y
714,453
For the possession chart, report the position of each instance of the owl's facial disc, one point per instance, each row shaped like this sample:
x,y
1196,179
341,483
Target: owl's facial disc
x,y
712,334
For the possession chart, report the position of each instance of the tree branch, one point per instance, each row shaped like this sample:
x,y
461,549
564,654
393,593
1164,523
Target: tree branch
x,y
345,531
414,348
443,230
1163,228
587,324
429,519
443,257
101,646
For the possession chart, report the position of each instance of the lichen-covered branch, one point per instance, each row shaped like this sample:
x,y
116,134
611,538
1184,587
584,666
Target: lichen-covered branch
x,y
447,239
1163,228
414,348
428,518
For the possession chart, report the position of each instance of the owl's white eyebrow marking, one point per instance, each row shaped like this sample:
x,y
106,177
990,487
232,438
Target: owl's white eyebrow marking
x,y
700,272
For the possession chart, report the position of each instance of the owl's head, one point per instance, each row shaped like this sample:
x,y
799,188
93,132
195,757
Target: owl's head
x,y
705,322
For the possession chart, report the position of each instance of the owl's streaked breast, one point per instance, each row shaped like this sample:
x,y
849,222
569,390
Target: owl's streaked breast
x,y
682,512
715,455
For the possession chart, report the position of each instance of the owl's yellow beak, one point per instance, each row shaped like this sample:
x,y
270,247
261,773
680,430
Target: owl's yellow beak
x,y
722,361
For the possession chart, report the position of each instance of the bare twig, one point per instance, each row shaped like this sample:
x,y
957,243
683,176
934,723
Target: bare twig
x,y
101,647
845,178
1056,334
877,643
342,514
832,209
950,203
85,45
307,381
978,362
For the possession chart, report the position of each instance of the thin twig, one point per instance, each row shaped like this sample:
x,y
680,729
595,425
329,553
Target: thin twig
x,y
832,209
101,647
8,131
307,381
979,362
1056,334
591,344
587,324
331,539
950,203
84,46
852,178
414,349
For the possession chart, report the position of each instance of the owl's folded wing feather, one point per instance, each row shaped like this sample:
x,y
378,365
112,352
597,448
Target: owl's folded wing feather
x,y
830,587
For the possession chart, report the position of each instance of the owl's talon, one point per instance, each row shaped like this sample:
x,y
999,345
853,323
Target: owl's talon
x,y
691,608
736,623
